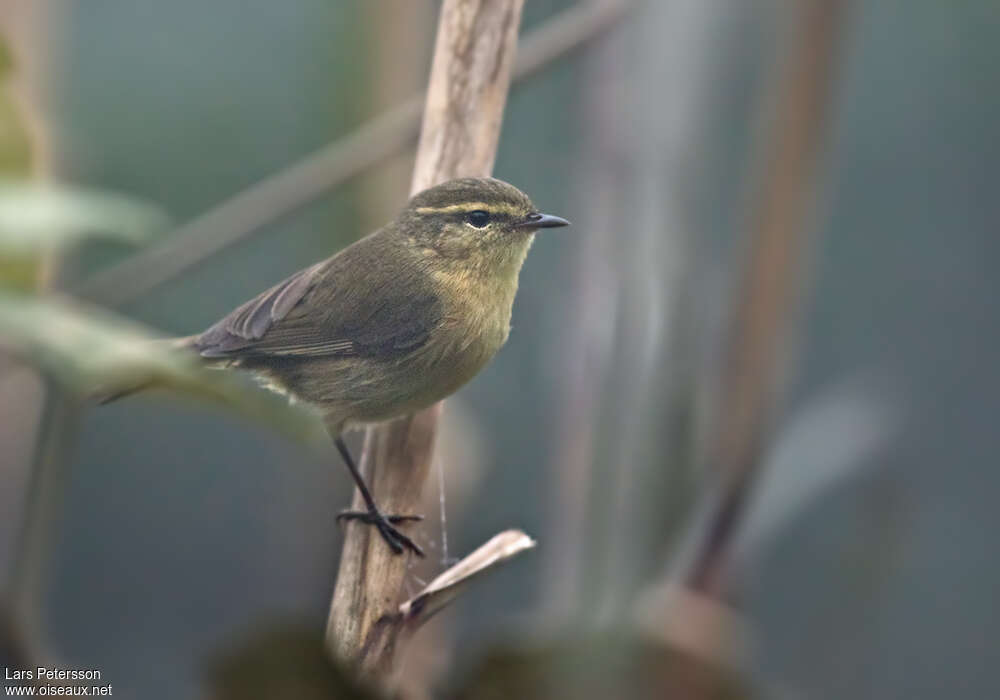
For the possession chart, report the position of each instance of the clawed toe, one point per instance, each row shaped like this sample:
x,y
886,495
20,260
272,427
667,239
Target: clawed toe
x,y
362,515
395,519
371,518
396,540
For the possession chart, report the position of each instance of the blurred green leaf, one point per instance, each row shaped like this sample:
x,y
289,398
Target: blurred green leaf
x,y
6,61
19,271
15,146
36,218
95,353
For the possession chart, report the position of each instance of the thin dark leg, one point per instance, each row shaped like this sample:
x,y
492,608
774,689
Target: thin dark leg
x,y
355,473
396,540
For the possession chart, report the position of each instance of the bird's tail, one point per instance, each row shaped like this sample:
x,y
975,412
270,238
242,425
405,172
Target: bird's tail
x,y
123,391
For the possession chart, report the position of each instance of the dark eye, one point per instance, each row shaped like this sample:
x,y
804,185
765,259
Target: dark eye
x,y
478,218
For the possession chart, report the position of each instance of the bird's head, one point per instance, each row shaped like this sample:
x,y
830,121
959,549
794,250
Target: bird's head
x,y
480,224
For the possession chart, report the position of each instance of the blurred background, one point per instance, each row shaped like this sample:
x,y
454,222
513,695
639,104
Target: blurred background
x,y
777,302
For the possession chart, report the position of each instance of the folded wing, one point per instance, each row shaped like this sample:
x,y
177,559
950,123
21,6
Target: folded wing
x,y
337,308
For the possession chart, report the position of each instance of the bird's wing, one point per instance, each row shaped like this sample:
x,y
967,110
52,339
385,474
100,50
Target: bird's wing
x,y
329,309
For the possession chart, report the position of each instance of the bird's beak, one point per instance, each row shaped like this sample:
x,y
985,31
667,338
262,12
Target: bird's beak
x,y
536,220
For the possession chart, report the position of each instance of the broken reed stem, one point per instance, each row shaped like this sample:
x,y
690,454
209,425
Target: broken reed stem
x,y
470,76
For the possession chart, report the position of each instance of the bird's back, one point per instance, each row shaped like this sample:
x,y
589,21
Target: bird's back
x,y
367,335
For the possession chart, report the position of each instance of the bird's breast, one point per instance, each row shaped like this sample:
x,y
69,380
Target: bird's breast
x,y
475,323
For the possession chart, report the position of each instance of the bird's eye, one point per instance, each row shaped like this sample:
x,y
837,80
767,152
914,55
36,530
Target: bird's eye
x,y
478,218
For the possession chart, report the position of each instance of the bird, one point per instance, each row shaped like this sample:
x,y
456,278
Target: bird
x,y
394,322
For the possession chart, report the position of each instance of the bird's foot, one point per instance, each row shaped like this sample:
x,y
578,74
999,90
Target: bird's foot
x,y
396,540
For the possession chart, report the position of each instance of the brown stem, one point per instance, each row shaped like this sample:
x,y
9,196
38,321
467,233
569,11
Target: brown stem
x,y
769,291
470,76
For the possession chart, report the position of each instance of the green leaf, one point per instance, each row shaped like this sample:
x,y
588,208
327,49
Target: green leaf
x,y
15,144
96,353
37,218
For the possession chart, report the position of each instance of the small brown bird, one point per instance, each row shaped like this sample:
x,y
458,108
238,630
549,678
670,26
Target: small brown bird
x,y
393,323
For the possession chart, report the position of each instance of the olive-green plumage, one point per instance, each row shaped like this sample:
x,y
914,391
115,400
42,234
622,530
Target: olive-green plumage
x,y
394,322
398,320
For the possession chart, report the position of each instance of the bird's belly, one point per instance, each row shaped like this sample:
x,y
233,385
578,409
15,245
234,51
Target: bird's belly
x,y
432,374
371,389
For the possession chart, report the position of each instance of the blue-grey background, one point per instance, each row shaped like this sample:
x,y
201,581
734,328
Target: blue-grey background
x,y
868,564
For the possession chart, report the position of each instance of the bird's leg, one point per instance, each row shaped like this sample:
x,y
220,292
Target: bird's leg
x,y
396,540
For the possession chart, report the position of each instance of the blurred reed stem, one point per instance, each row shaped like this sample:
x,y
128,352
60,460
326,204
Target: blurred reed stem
x,y
768,294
